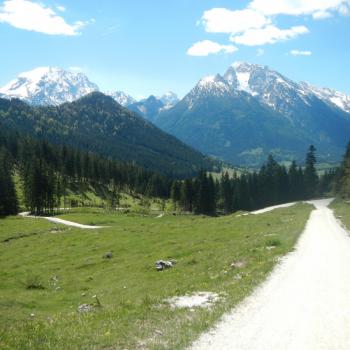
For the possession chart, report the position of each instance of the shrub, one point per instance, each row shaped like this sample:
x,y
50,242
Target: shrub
x,y
33,282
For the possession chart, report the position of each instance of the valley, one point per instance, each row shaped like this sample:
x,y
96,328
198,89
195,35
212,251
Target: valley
x,y
174,175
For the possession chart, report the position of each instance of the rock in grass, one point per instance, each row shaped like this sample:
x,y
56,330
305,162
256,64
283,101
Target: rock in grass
x,y
238,264
163,265
84,308
108,255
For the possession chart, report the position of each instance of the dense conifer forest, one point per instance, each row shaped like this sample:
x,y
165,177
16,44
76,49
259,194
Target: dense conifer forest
x,y
272,184
46,171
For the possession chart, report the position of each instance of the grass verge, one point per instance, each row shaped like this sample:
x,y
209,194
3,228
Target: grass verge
x,y
341,209
226,255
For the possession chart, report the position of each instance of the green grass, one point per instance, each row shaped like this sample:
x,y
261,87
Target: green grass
x,y
68,266
341,209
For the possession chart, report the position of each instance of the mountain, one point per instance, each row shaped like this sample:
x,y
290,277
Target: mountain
x,y
48,86
169,99
122,98
98,123
330,96
279,92
150,107
252,111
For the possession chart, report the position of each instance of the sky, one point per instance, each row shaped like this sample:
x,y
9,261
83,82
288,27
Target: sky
x,y
146,47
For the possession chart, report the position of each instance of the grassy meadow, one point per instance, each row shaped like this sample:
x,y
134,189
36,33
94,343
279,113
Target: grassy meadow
x,y
341,209
47,270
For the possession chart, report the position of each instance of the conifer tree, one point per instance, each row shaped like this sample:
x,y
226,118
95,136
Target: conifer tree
x,y
226,193
310,174
8,197
187,195
175,193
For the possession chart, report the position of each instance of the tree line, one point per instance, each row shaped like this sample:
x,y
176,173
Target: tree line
x,y
272,184
342,176
46,172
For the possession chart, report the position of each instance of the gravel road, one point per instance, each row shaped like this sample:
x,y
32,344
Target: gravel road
x,y
303,305
61,221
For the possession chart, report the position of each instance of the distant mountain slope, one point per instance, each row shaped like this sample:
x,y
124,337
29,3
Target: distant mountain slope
x,y
252,111
98,123
122,98
150,107
49,86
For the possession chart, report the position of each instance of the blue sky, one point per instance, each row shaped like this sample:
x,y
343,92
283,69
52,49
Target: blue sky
x,y
149,47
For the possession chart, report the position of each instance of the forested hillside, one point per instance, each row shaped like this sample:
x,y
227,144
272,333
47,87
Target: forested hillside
x,y
342,179
99,124
47,171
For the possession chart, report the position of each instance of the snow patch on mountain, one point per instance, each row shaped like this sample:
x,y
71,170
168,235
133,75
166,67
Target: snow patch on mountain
x,y
213,84
48,86
122,98
332,96
169,99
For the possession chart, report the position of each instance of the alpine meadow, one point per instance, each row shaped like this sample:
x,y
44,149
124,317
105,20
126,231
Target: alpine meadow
x,y
174,175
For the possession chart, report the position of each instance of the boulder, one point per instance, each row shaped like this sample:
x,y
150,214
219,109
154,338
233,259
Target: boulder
x,y
163,265
108,255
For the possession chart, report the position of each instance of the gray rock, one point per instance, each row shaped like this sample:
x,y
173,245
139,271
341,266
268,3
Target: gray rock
x,y
108,255
84,308
163,265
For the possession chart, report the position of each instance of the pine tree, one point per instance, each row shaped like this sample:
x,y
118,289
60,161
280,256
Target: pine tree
x,y
187,195
342,185
175,193
8,197
310,174
226,193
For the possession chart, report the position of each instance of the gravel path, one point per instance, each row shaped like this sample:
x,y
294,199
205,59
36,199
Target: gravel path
x,y
265,210
61,221
304,304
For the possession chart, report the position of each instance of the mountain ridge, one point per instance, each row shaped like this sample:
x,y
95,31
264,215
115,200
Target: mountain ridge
x,y
251,111
97,123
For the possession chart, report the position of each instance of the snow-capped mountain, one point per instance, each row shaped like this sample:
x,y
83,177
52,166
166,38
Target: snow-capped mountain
x,y
253,110
122,98
150,107
49,86
169,99
279,92
331,96
213,85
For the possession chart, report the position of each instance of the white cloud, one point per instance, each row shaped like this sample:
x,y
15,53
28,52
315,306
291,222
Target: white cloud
x,y
24,14
255,25
268,35
298,7
221,20
61,8
260,52
207,47
321,15
344,9
300,53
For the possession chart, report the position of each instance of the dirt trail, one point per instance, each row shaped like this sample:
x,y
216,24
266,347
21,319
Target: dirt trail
x,y
61,221
304,304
